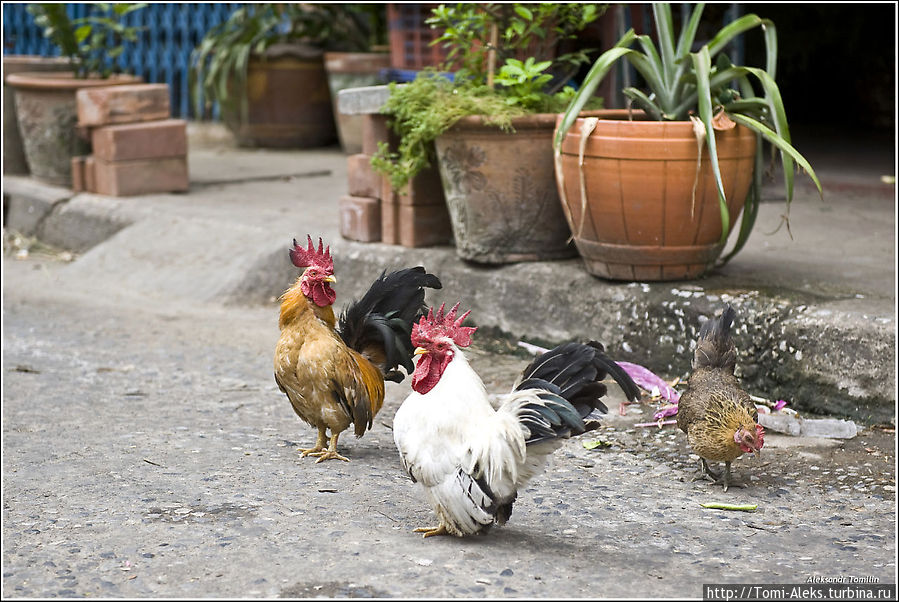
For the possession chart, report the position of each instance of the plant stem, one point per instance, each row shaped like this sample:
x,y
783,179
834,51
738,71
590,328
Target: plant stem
x,y
491,54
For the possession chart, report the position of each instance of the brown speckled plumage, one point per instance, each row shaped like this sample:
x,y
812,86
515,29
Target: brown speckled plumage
x,y
714,406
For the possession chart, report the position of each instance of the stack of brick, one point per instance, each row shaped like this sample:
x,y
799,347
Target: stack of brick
x,y
137,147
414,217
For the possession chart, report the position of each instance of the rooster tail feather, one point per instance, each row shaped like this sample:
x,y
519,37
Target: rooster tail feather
x,y
566,390
715,346
609,367
379,325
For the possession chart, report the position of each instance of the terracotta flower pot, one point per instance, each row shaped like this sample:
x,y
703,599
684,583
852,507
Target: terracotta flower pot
x,y
288,102
628,195
500,191
352,70
14,161
47,114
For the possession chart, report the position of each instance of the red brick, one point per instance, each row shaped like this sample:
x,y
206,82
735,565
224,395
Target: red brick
x,y
374,130
148,140
128,178
415,225
360,218
424,189
362,179
78,174
122,104
90,174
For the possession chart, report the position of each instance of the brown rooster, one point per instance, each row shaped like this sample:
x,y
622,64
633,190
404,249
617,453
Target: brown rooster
x,y
332,371
719,418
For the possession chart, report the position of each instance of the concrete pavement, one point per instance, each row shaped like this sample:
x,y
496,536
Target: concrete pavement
x,y
817,312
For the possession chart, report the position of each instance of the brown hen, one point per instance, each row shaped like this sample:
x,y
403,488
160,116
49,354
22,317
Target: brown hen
x,y
719,418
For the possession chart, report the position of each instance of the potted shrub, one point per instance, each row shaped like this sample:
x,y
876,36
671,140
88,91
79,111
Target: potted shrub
x,y
489,126
265,67
45,101
653,194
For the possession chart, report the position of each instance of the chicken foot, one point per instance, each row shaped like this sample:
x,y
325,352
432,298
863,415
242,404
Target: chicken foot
x,y
322,453
705,472
726,479
432,531
319,445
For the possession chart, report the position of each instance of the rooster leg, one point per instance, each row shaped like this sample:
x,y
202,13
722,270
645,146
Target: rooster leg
x,y
331,452
432,531
319,445
705,472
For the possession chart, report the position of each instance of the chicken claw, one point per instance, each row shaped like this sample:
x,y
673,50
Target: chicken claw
x,y
432,531
726,478
705,472
319,446
325,454
328,455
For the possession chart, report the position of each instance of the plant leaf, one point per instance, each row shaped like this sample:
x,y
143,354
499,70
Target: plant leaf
x,y
702,63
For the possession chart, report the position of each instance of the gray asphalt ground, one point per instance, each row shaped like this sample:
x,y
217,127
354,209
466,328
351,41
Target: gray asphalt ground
x,y
147,451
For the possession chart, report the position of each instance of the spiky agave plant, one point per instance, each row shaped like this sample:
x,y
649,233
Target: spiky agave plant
x,y
683,84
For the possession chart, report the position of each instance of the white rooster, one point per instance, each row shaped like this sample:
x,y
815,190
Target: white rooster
x,y
471,457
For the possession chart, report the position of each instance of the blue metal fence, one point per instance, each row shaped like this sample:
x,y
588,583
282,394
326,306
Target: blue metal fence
x,y
161,54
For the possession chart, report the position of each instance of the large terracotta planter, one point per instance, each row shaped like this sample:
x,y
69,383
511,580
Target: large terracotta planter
x,y
352,70
47,114
628,195
14,161
288,102
500,191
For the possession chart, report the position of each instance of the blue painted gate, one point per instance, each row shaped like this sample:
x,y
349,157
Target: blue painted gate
x,y
161,54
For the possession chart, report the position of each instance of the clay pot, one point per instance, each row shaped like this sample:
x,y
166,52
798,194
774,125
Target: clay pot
x,y
500,191
47,114
14,161
352,70
629,199
288,102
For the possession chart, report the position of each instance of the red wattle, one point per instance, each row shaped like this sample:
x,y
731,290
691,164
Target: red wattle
x,y
320,292
427,373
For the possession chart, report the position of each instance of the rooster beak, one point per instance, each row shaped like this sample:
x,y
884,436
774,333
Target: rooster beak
x,y
329,279
758,454
419,351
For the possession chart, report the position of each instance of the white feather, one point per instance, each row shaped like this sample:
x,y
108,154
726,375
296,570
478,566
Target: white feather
x,y
453,428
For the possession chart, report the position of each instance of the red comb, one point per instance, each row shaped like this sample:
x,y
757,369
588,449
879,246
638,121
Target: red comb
x,y
320,258
431,326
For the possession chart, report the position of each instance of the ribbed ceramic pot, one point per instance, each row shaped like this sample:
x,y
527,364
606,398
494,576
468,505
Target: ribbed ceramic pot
x,y
288,101
627,190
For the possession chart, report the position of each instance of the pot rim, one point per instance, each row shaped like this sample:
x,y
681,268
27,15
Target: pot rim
x,y
531,121
65,80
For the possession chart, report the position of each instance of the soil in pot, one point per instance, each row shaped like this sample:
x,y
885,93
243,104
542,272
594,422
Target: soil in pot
x,y
628,194
501,192
47,114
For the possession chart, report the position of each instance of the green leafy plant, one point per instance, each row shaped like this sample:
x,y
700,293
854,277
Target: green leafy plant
x,y
687,85
91,43
522,38
219,62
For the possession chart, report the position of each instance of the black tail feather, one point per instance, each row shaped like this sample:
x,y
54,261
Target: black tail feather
x,y
608,367
382,319
571,375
